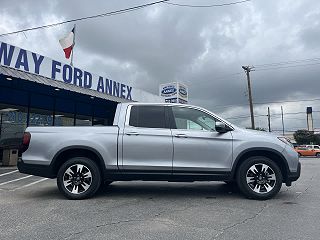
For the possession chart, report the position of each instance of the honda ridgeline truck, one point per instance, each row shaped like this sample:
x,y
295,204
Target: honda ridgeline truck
x,y
159,142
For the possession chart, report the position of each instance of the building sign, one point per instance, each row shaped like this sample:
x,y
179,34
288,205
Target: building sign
x,y
31,62
174,92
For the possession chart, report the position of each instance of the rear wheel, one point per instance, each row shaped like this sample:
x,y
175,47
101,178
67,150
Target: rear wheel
x,y
299,154
318,155
78,178
259,178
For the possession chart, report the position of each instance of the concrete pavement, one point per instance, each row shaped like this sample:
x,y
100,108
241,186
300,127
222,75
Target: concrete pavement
x,y
159,210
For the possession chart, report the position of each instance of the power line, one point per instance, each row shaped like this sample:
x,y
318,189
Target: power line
x,y
271,102
247,116
112,13
117,12
288,113
287,62
207,6
288,131
290,101
274,115
290,66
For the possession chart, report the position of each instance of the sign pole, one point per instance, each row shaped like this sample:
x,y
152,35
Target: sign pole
x,y
74,43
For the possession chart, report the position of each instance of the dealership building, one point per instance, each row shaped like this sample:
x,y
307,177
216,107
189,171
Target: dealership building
x,y
39,91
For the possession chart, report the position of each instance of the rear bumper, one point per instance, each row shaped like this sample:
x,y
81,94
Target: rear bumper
x,y
35,169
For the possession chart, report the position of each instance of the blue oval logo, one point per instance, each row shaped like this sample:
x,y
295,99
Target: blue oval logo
x,y
168,90
183,92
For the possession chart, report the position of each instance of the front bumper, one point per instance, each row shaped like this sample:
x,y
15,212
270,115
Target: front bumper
x,y
293,176
35,169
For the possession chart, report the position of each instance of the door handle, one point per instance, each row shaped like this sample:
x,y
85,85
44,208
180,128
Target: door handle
x,y
132,133
181,135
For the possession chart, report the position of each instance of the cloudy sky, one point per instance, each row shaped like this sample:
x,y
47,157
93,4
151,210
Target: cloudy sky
x,y
201,47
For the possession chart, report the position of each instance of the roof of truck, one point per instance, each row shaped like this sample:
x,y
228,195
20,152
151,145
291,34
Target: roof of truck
x,y
164,103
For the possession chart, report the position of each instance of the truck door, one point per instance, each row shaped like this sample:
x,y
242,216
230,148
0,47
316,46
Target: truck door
x,y
146,140
198,147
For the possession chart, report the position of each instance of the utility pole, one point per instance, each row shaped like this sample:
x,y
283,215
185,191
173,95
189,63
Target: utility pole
x,y
74,43
282,120
269,122
247,69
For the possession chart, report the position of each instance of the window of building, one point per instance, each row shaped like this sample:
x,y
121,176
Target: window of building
x,y
13,122
192,119
100,122
40,117
147,116
63,119
82,120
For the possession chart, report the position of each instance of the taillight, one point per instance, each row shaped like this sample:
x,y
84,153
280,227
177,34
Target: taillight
x,y
25,142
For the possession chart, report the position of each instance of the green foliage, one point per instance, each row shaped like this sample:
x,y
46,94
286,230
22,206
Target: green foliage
x,y
306,137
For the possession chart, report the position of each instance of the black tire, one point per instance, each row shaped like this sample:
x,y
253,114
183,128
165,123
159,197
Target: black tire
x,y
261,185
318,155
78,184
299,154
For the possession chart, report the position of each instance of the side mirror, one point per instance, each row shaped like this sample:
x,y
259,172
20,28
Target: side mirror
x,y
221,127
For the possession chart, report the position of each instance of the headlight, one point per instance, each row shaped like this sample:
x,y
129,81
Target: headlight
x,y
286,141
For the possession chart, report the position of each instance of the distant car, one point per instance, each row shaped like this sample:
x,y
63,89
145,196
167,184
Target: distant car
x,y
305,151
316,147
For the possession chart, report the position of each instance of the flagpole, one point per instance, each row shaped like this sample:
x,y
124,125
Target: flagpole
x,y
74,43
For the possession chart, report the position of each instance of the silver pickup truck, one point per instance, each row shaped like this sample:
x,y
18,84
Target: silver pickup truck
x,y
159,142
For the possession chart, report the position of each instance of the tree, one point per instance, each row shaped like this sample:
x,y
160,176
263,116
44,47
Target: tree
x,y
306,137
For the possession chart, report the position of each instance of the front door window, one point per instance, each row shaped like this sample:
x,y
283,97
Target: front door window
x,y
192,119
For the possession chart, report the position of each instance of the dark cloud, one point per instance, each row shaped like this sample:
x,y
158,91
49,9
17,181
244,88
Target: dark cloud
x,y
204,48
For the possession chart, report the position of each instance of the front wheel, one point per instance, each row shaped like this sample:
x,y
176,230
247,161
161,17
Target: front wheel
x,y
78,178
259,178
318,155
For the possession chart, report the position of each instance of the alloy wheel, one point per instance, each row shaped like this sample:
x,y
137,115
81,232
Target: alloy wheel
x,y
261,178
77,179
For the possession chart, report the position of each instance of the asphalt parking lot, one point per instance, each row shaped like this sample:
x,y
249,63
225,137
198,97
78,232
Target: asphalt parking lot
x,y
32,208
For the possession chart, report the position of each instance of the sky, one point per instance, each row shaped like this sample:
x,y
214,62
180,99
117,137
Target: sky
x,y
201,47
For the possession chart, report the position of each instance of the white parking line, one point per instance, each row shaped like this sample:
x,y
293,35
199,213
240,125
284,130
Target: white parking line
x,y
3,174
15,180
30,184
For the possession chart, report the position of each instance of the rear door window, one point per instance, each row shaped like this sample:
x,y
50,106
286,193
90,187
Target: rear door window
x,y
147,116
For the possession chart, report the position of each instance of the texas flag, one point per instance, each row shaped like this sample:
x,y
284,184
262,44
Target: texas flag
x,y
67,43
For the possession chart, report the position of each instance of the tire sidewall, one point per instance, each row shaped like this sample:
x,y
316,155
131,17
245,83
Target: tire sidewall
x,y
96,178
242,183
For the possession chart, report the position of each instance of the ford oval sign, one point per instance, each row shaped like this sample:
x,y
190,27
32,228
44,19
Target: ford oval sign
x,y
168,91
183,92
174,92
